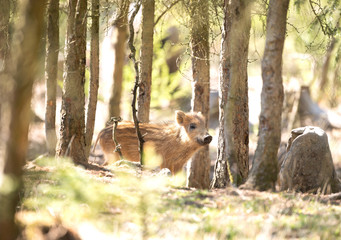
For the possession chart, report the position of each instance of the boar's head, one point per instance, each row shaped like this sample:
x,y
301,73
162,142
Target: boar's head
x,y
194,125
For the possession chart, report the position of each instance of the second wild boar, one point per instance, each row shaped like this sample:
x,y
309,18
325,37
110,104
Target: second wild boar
x,y
174,142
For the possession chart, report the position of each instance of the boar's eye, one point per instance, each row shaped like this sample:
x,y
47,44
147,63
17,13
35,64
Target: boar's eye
x,y
192,126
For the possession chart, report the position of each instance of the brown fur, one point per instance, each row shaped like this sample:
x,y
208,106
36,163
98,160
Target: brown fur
x,y
175,143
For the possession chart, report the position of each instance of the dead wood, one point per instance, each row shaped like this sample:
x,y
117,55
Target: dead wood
x,y
310,113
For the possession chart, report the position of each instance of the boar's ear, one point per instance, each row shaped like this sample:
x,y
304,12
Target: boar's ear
x,y
180,117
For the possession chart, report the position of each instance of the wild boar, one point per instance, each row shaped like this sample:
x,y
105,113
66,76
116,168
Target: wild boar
x,y
174,142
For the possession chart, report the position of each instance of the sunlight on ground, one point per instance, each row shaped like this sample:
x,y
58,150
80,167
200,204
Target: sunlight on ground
x,y
104,205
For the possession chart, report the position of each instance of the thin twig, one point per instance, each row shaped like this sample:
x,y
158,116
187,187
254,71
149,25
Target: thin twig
x,y
164,12
115,120
324,26
137,79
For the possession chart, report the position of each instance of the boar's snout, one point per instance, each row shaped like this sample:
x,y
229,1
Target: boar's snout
x,y
205,140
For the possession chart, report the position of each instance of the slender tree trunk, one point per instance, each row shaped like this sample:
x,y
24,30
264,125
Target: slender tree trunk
x,y
121,35
51,73
4,36
233,150
23,73
264,170
4,52
325,67
236,108
198,174
94,75
336,86
72,129
132,55
146,57
221,169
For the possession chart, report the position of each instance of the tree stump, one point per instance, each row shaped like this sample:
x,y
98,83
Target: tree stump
x,y
308,164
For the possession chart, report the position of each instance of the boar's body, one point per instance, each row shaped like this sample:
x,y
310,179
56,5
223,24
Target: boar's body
x,y
175,143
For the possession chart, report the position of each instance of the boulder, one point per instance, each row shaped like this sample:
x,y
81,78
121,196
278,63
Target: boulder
x,y
308,164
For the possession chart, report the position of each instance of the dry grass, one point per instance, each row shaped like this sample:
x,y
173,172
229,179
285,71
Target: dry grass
x,y
95,204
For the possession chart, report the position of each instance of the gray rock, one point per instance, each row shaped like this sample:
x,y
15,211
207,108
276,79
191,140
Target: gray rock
x,y
308,164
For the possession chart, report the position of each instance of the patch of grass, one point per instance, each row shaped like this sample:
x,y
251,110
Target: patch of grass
x,y
125,206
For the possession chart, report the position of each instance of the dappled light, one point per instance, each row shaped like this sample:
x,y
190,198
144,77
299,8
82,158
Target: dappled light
x,y
177,119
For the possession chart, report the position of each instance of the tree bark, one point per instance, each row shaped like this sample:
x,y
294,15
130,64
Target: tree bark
x,y
23,73
221,168
51,73
72,129
146,58
4,53
264,170
94,75
233,152
198,174
236,108
4,34
121,34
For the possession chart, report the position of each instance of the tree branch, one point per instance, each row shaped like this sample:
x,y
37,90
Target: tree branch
x,y
137,79
115,120
164,12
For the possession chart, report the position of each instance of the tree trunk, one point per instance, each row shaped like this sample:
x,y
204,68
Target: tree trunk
x,y
94,75
121,34
4,52
51,72
264,170
4,36
336,86
325,67
198,174
236,108
221,169
23,73
234,111
72,129
146,58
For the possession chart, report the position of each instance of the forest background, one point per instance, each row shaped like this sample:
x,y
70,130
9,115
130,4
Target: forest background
x,y
310,58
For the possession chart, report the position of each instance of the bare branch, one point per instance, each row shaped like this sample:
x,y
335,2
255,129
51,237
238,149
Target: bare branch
x,y
137,79
164,12
115,120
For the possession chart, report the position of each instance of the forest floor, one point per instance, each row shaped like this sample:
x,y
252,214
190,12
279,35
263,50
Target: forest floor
x,y
60,199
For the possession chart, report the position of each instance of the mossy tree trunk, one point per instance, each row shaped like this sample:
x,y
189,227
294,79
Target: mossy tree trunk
x,y
4,33
51,73
264,170
22,73
72,129
146,58
233,150
94,75
5,11
121,36
198,174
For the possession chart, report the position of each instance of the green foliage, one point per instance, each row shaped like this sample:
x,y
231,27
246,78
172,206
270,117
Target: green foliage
x,y
298,4
166,87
